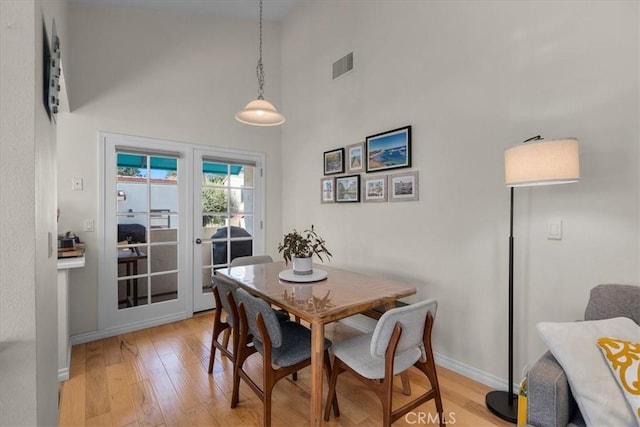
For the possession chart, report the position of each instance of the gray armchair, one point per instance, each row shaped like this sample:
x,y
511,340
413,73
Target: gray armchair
x,y
550,402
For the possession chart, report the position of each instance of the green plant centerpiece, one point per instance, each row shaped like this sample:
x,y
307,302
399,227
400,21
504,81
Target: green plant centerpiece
x,y
299,248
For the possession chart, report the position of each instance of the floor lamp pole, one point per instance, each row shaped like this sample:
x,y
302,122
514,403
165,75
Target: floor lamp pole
x,y
504,403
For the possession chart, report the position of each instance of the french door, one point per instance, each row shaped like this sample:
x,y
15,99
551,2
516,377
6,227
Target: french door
x,y
170,214
227,219
143,272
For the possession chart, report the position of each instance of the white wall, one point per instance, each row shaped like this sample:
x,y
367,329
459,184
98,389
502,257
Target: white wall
x,y
472,78
171,77
28,287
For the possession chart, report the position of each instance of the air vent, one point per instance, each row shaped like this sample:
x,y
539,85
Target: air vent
x,y
343,65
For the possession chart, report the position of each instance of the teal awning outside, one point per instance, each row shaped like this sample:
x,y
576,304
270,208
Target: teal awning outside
x,y
171,164
220,168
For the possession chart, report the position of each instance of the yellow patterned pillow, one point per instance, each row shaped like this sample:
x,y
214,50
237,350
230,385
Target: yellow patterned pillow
x,y
623,359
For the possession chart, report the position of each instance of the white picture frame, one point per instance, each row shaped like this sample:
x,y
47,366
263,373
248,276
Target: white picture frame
x,y
403,187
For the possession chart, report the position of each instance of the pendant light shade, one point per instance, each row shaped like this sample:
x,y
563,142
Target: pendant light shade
x,y
260,112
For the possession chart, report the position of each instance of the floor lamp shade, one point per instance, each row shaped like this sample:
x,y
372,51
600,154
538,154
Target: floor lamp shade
x,y
532,163
542,163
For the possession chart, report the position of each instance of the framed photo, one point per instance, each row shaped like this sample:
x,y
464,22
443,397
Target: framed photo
x,y
403,187
327,190
334,161
374,188
389,150
348,188
355,157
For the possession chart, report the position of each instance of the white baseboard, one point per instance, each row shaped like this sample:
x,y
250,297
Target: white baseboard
x,y
366,324
110,332
63,374
475,374
358,321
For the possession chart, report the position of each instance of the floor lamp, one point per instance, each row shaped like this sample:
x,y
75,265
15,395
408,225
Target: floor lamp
x,y
534,162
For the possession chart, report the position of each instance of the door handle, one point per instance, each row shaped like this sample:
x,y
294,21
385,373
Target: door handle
x,y
198,241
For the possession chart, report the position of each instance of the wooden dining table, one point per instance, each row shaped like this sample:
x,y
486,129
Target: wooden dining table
x,y
341,294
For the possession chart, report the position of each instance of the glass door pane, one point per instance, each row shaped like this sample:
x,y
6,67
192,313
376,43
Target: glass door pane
x,y
147,221
226,218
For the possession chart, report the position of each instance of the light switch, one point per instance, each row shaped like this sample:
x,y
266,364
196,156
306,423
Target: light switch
x,y
88,225
554,230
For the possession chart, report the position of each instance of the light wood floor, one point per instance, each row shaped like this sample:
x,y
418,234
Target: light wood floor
x,y
158,377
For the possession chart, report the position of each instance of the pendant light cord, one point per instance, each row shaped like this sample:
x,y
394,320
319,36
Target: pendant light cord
x,y
259,68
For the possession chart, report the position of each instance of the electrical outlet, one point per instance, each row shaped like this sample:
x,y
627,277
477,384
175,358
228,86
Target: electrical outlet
x,y
76,184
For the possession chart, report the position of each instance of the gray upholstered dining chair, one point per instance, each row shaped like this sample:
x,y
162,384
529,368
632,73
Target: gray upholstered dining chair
x,y
285,347
261,259
224,297
250,259
223,294
400,340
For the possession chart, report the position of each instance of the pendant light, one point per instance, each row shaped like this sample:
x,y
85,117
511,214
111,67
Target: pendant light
x,y
260,112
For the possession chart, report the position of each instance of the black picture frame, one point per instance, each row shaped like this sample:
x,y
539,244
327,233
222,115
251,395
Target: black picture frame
x,y
389,150
333,161
347,189
51,71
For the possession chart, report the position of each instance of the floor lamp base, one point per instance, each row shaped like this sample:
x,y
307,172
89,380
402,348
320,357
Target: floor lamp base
x,y
498,403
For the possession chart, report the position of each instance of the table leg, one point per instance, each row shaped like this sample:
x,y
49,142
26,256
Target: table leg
x,y
317,354
135,283
127,267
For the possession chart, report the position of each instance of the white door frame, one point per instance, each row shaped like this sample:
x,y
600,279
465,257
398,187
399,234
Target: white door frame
x,y
111,320
107,324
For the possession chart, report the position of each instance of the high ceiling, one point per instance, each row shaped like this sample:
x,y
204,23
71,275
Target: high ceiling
x,y
273,10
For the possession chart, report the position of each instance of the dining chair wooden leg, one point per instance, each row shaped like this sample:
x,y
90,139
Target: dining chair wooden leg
x,y
235,394
429,369
406,385
241,352
212,355
225,338
267,393
386,399
218,328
